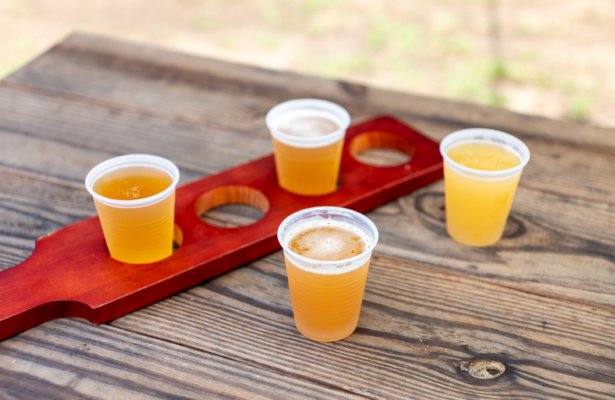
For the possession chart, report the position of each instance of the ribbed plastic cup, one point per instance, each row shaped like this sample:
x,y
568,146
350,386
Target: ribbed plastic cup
x,y
137,231
326,295
307,136
477,201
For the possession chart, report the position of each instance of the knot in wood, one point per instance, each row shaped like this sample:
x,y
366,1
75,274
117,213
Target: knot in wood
x,y
354,89
483,369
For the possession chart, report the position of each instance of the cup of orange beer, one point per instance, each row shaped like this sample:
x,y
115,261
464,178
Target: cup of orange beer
x,y
308,136
482,168
327,252
134,197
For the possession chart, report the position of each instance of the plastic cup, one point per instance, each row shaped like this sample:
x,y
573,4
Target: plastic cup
x,y
478,201
326,296
140,230
307,136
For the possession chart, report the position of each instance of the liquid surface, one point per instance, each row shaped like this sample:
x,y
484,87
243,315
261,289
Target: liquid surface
x,y
484,156
132,183
308,126
329,243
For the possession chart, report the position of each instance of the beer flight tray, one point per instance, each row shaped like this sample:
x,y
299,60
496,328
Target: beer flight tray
x,y
70,273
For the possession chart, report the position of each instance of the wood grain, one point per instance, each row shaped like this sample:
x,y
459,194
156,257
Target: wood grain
x,y
589,176
74,360
551,245
418,324
172,85
562,211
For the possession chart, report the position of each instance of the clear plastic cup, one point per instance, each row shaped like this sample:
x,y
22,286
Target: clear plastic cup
x,y
138,230
326,295
478,201
308,136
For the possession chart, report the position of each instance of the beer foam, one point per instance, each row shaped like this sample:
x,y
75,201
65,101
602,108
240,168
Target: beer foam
x,y
327,243
490,136
327,247
307,123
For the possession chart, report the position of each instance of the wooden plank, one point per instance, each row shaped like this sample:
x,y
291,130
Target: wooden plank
x,y
35,204
551,245
418,325
565,209
112,129
235,97
73,360
107,130
105,69
585,173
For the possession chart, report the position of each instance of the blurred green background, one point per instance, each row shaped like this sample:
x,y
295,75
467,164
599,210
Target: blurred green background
x,y
546,57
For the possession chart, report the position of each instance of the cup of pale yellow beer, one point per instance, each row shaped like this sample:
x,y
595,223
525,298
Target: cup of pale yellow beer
x,y
482,168
307,136
327,251
134,197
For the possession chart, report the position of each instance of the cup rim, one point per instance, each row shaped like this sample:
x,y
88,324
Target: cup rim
x,y
132,160
339,210
337,112
485,135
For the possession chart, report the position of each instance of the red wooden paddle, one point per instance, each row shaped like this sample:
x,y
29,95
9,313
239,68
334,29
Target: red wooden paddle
x,y
70,273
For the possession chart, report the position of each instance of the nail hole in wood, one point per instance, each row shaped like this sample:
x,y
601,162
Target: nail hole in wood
x,y
381,149
232,206
483,369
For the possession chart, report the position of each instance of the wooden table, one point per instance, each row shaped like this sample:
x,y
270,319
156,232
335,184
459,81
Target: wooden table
x,y
541,301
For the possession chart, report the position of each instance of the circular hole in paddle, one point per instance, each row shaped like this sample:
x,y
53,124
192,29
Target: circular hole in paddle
x,y
178,237
381,149
232,206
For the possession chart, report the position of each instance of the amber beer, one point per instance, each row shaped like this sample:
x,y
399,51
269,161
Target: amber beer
x,y
134,197
482,168
327,253
308,136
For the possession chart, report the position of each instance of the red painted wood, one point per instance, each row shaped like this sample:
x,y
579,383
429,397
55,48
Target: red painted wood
x,y
70,273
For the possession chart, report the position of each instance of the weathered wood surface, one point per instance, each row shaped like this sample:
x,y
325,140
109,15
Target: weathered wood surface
x,y
542,300
70,360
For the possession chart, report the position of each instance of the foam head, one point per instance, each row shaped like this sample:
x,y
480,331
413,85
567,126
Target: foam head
x,y
327,240
307,123
489,137
327,243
